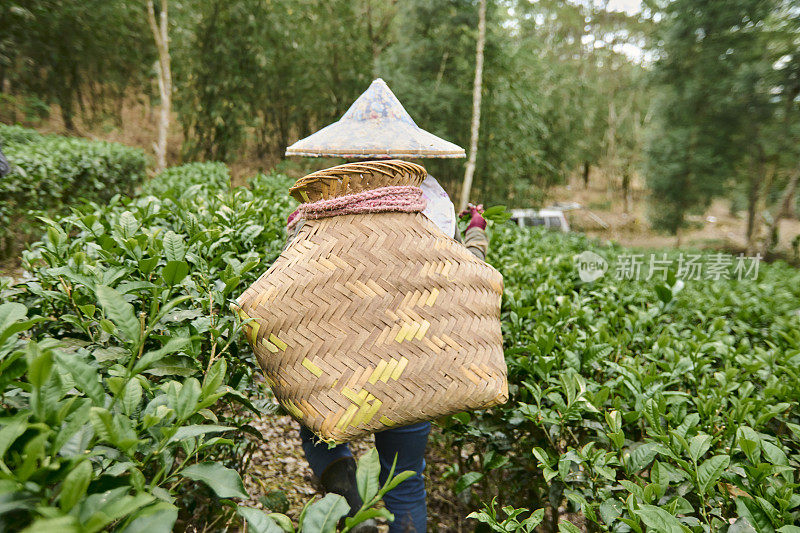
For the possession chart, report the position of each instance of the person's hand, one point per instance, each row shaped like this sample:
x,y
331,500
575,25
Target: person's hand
x,y
476,218
472,210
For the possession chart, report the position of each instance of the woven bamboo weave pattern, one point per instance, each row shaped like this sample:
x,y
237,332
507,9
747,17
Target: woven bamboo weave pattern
x,y
373,320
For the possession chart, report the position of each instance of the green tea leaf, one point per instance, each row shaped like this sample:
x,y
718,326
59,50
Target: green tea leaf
x,y
698,446
173,345
323,515
774,455
225,482
750,510
367,472
283,521
567,527
174,247
258,521
174,272
664,293
213,379
120,312
40,364
186,432
86,377
659,520
610,510
12,430
467,480
12,320
74,485
115,508
710,471
396,480
157,518
131,396
186,404
61,524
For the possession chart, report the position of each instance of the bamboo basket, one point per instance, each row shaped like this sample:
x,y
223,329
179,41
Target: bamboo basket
x,y
369,321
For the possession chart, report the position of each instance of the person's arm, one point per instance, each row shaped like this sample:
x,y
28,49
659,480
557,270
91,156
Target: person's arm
x,y
475,237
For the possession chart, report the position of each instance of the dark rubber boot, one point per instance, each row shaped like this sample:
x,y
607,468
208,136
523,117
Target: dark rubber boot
x,y
340,478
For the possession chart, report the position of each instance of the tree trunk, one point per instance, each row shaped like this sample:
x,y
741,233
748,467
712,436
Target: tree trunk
x,y
626,190
586,170
476,107
785,208
753,197
752,202
378,30
160,31
65,101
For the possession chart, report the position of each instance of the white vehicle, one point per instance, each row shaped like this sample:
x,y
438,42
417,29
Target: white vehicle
x,y
550,218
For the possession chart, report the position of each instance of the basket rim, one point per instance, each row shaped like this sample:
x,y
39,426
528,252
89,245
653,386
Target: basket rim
x,y
392,168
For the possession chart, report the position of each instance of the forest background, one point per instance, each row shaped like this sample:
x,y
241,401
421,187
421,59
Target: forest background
x,y
687,106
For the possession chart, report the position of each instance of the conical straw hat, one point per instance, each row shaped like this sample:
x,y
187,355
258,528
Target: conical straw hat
x,y
375,126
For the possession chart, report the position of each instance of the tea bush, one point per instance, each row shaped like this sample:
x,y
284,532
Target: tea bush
x,y
643,405
52,172
176,181
126,391
17,135
123,376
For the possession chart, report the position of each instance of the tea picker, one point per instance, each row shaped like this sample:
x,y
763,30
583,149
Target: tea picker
x,y
374,318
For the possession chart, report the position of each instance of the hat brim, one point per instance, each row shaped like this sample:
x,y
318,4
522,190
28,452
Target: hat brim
x,y
374,139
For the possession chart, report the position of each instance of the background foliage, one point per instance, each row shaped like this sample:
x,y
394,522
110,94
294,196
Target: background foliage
x,y
701,99
50,172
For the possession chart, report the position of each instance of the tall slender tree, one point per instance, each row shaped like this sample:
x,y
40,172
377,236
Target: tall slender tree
x,y
477,87
160,30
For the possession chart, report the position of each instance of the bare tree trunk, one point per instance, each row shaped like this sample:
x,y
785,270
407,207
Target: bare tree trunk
x,y
753,197
161,35
785,208
626,190
476,107
586,170
752,207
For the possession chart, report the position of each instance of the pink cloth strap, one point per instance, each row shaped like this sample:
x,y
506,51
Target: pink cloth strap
x,y
404,199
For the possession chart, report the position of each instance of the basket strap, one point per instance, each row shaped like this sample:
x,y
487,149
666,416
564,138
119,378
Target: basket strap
x,y
404,199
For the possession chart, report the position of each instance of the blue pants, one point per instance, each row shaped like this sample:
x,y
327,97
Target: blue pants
x,y
406,501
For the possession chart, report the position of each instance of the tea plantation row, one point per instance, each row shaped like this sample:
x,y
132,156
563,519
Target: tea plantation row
x,y
126,389
49,172
660,405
